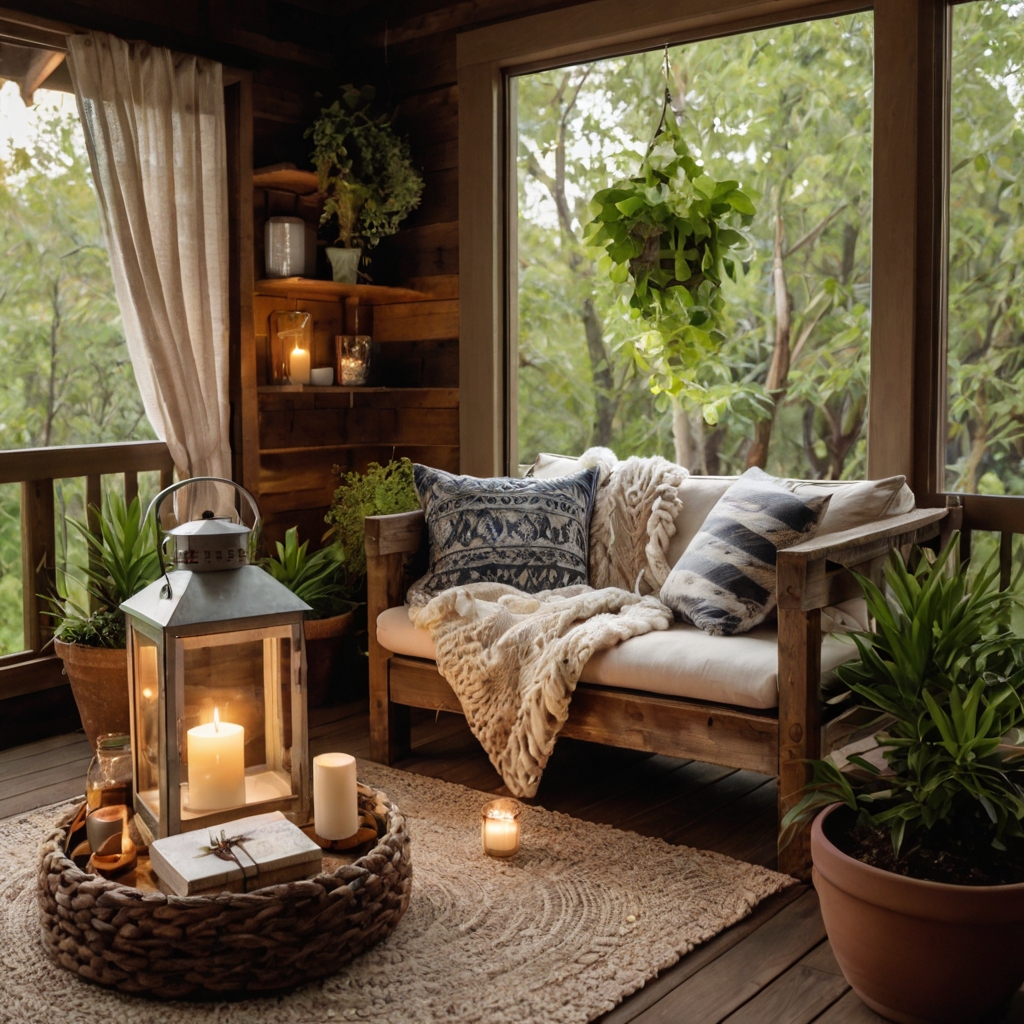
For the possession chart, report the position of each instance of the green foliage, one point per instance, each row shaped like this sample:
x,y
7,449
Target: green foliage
x,y
363,168
665,229
986,247
381,490
952,678
68,378
318,578
125,561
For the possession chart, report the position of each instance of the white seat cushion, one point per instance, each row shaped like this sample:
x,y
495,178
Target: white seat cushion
x,y
681,661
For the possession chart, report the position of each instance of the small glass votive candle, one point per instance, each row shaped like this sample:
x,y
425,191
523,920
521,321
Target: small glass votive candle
x,y
352,359
499,832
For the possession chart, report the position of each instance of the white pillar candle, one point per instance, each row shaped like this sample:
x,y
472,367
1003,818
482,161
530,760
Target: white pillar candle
x,y
335,808
298,366
216,765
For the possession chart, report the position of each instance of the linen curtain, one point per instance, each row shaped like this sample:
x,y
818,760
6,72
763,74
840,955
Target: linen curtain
x,y
154,129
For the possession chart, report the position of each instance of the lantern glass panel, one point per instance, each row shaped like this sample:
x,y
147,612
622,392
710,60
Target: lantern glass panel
x,y
147,701
236,719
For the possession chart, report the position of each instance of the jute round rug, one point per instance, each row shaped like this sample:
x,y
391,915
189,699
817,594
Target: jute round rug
x,y
580,919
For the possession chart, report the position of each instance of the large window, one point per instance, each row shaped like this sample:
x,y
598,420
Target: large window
x,y
985,447
67,376
787,112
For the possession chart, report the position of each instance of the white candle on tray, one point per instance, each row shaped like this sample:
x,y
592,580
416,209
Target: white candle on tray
x,y
335,806
298,365
216,765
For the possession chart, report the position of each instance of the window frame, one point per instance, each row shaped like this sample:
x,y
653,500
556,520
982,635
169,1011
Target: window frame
x,y
910,222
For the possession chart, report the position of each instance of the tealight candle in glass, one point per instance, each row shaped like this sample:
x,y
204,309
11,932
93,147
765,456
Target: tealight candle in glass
x,y
500,827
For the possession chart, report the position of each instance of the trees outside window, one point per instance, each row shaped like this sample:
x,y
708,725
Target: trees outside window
x,y
786,112
67,376
985,445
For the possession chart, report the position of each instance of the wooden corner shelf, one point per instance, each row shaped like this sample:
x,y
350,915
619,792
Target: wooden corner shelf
x,y
300,183
311,288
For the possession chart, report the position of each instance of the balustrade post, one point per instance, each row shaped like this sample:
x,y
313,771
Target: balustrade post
x,y
38,562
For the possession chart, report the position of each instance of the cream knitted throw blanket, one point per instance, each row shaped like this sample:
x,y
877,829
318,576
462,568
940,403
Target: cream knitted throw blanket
x,y
514,659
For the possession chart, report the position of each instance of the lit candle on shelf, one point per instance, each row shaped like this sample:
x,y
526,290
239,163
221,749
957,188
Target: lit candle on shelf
x,y
500,827
216,765
298,365
335,808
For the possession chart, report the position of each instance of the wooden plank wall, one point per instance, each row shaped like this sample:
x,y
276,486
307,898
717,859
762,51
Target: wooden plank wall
x,y
409,409
417,71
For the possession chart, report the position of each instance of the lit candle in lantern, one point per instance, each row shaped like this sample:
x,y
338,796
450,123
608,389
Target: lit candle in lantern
x,y
216,765
335,806
298,365
500,827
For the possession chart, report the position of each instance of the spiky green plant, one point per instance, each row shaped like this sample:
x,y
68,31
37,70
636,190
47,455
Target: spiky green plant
x,y
124,561
941,663
318,578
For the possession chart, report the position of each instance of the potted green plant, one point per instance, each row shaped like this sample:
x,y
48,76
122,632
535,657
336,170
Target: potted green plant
x,y
92,643
318,579
381,490
674,234
919,856
369,183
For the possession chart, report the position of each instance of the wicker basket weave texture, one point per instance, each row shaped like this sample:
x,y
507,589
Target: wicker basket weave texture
x,y
175,946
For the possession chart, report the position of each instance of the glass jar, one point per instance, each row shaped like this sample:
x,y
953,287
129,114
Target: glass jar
x,y
352,358
109,778
499,831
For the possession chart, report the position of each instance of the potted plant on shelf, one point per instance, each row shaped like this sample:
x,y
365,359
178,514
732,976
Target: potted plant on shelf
x,y
92,643
319,580
365,173
919,857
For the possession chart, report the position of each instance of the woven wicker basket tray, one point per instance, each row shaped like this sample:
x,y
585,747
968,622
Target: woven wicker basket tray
x,y
175,946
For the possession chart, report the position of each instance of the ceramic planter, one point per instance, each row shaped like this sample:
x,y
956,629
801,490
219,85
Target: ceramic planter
x,y
325,654
344,264
918,952
99,683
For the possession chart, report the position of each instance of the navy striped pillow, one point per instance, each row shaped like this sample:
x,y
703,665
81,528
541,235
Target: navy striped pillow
x,y
725,581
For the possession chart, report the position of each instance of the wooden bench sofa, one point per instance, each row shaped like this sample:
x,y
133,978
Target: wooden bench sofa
x,y
776,741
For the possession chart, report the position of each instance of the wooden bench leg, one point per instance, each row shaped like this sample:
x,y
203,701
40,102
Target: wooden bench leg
x,y
390,736
799,723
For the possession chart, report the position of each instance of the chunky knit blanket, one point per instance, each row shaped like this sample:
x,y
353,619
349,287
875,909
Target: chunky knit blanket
x,y
514,659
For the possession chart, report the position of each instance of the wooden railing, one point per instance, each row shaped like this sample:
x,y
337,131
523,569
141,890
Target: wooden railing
x,y
37,668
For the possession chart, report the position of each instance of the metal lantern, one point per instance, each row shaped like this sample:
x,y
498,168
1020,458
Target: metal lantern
x,y
217,678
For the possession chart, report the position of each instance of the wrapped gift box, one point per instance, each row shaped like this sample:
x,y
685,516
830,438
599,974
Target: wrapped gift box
x,y
264,849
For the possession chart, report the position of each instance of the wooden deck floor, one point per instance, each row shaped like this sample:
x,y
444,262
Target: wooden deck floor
x,y
775,967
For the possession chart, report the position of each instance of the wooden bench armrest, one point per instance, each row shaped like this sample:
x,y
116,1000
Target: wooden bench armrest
x,y
397,534
812,574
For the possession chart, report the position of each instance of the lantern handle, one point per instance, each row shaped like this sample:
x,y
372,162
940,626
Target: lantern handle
x,y
154,510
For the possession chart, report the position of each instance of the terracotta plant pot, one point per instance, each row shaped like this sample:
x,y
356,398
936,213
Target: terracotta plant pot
x,y
325,653
99,683
918,952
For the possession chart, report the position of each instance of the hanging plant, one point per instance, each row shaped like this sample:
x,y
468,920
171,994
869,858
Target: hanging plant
x,y
674,232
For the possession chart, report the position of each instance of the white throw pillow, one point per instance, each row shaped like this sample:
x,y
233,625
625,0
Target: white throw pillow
x,y
857,503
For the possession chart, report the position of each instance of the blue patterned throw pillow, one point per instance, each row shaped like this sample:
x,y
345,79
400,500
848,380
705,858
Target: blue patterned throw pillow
x,y
531,534
725,580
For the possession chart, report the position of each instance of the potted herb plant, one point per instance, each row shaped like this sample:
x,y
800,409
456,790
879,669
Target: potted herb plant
x,y
381,490
92,643
318,579
919,857
366,175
